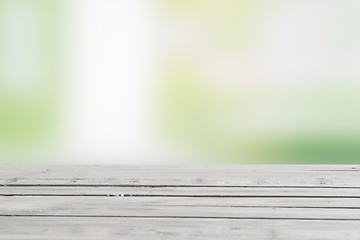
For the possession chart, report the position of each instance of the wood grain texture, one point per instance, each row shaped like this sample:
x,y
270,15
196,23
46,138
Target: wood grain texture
x,y
44,228
217,175
180,202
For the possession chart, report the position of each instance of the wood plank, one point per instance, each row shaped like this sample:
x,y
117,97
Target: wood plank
x,y
114,207
196,167
181,191
180,202
50,228
237,175
222,202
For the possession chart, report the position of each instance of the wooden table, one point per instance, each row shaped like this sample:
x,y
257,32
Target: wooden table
x,y
239,202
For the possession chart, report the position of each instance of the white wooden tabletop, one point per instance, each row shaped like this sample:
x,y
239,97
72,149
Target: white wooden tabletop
x,y
241,202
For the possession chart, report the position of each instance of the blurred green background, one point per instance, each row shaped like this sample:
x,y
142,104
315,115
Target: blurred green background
x,y
169,81
30,65
265,81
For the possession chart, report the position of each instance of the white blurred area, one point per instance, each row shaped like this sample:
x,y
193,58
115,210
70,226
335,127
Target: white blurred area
x,y
110,95
108,110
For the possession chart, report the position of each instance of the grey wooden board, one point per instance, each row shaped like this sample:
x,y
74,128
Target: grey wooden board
x,y
113,207
180,202
218,175
181,191
44,228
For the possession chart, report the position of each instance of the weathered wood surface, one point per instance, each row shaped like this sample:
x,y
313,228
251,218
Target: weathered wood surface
x,y
180,202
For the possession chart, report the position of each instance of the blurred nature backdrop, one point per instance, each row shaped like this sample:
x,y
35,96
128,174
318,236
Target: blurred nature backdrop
x,y
180,81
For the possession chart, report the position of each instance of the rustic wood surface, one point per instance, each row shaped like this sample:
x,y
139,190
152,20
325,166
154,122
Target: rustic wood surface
x,y
241,202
